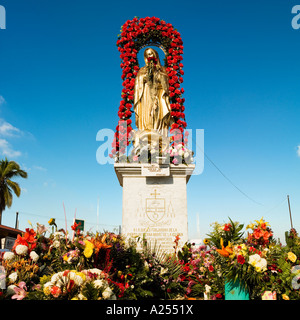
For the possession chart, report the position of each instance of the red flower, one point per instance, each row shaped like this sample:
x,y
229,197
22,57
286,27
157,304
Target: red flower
x,y
227,227
240,259
75,225
128,53
29,235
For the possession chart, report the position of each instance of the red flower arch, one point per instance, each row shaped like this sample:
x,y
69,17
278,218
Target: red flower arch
x,y
135,35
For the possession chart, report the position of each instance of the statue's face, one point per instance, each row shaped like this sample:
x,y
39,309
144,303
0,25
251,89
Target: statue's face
x,y
149,53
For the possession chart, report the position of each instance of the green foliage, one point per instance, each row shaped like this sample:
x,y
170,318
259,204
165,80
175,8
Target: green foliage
x,y
229,232
185,253
293,241
8,171
90,292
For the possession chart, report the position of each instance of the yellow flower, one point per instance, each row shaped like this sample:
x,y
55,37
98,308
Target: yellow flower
x,y
47,288
261,221
81,274
250,226
292,256
88,251
285,297
206,241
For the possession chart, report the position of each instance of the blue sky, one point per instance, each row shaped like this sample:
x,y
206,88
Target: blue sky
x,y
60,83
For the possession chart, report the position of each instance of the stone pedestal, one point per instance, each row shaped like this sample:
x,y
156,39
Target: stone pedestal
x,y
155,202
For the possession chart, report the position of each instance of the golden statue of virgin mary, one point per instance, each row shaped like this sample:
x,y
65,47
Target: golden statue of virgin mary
x,y
151,96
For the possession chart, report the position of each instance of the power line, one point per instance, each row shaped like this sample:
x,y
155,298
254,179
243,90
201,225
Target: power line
x,y
61,219
276,206
229,180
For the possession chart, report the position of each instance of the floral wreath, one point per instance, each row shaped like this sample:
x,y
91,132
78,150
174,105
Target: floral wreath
x,y
135,35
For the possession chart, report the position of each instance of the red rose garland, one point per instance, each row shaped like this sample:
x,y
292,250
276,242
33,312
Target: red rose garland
x,y
136,34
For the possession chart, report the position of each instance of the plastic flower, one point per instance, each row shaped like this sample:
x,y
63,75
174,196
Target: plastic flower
x,y
296,269
295,282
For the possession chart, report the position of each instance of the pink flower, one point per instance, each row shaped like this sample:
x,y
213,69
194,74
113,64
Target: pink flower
x,y
41,228
135,158
175,161
20,292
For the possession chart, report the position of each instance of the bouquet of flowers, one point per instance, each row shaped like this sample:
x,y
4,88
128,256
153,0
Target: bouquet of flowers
x,y
227,232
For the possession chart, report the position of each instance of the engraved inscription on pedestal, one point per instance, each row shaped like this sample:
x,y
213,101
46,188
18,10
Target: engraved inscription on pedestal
x,y
155,170
154,206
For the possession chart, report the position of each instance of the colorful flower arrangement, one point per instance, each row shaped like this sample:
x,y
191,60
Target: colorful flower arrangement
x,y
261,234
103,266
174,154
136,34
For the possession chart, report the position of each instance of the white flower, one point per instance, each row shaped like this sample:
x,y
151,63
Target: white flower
x,y
13,277
107,293
10,290
146,265
81,296
56,244
186,154
207,288
94,271
8,255
253,259
180,152
47,287
56,277
259,263
21,249
57,235
34,256
98,283
77,279
163,271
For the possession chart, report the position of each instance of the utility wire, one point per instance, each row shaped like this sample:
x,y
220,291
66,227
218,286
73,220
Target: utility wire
x,y
61,219
230,181
276,206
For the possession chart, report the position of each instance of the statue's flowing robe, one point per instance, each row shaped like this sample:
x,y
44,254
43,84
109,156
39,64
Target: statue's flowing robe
x,y
151,101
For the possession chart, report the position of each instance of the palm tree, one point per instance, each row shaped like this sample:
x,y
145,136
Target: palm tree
x,y
9,170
